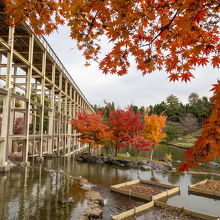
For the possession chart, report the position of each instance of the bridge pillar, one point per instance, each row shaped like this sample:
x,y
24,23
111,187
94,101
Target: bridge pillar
x,y
51,119
28,96
4,146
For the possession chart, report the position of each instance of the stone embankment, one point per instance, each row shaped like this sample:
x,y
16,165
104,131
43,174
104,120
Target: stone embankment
x,y
142,165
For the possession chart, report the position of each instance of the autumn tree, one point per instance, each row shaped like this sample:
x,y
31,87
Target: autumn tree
x,y
127,130
207,147
175,36
91,129
153,130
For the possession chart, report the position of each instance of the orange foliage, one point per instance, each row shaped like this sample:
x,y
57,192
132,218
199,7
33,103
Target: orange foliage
x,y
174,35
154,125
207,147
91,128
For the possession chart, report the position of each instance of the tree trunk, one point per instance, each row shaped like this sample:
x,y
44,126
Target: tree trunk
x,y
116,151
151,154
89,149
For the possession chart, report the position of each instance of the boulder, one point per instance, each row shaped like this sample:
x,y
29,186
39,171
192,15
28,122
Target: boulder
x,y
144,162
91,159
167,167
39,159
121,165
213,164
100,161
153,165
110,160
83,217
124,161
93,195
132,164
79,158
94,213
145,167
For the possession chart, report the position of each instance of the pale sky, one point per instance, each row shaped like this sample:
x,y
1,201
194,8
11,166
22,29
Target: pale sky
x,y
130,89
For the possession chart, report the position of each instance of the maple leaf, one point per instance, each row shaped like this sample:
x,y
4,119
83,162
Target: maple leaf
x,y
174,77
216,61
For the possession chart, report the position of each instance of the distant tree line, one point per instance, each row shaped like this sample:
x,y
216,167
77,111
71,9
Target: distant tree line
x,y
182,118
176,111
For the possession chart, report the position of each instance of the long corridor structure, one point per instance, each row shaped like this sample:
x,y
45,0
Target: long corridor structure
x,y
37,97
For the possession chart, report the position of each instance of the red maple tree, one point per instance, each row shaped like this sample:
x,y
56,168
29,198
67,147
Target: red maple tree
x,y
127,130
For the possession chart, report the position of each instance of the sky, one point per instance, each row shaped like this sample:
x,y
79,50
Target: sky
x,y
132,88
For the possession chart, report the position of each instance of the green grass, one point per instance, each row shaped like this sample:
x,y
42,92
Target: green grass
x,y
186,141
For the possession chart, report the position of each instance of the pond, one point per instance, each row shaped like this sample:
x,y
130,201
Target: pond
x,y
35,192
160,151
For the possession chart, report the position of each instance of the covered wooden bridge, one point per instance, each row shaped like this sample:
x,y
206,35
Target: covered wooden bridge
x,y
37,97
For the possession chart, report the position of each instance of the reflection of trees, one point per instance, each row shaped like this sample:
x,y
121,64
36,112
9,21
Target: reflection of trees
x,y
197,178
173,178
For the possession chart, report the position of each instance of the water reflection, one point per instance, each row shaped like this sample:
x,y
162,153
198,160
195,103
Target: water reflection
x,y
103,176
34,193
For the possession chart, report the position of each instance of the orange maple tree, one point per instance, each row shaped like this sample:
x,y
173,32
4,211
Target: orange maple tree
x,y
153,130
175,36
207,147
91,129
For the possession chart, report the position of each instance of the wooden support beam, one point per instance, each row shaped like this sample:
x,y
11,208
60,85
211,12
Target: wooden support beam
x,y
4,145
44,58
28,96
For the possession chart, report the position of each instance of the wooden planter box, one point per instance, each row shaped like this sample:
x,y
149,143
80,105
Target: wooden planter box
x,y
208,193
146,207
170,190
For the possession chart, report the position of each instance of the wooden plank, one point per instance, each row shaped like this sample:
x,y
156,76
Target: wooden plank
x,y
186,211
202,182
158,184
171,190
174,190
133,211
203,192
159,204
132,194
166,193
126,183
160,195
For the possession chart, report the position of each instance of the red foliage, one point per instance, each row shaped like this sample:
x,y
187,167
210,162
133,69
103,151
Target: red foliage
x,y
127,129
19,125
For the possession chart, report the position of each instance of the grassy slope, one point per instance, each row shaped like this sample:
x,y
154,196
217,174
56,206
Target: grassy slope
x,y
188,140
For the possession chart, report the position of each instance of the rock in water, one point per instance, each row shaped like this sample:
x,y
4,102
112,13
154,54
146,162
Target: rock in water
x,y
94,212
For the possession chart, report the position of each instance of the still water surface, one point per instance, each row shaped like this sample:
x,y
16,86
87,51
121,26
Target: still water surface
x,y
38,192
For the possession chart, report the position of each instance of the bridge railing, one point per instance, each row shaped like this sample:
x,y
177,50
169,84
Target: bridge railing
x,y
49,49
